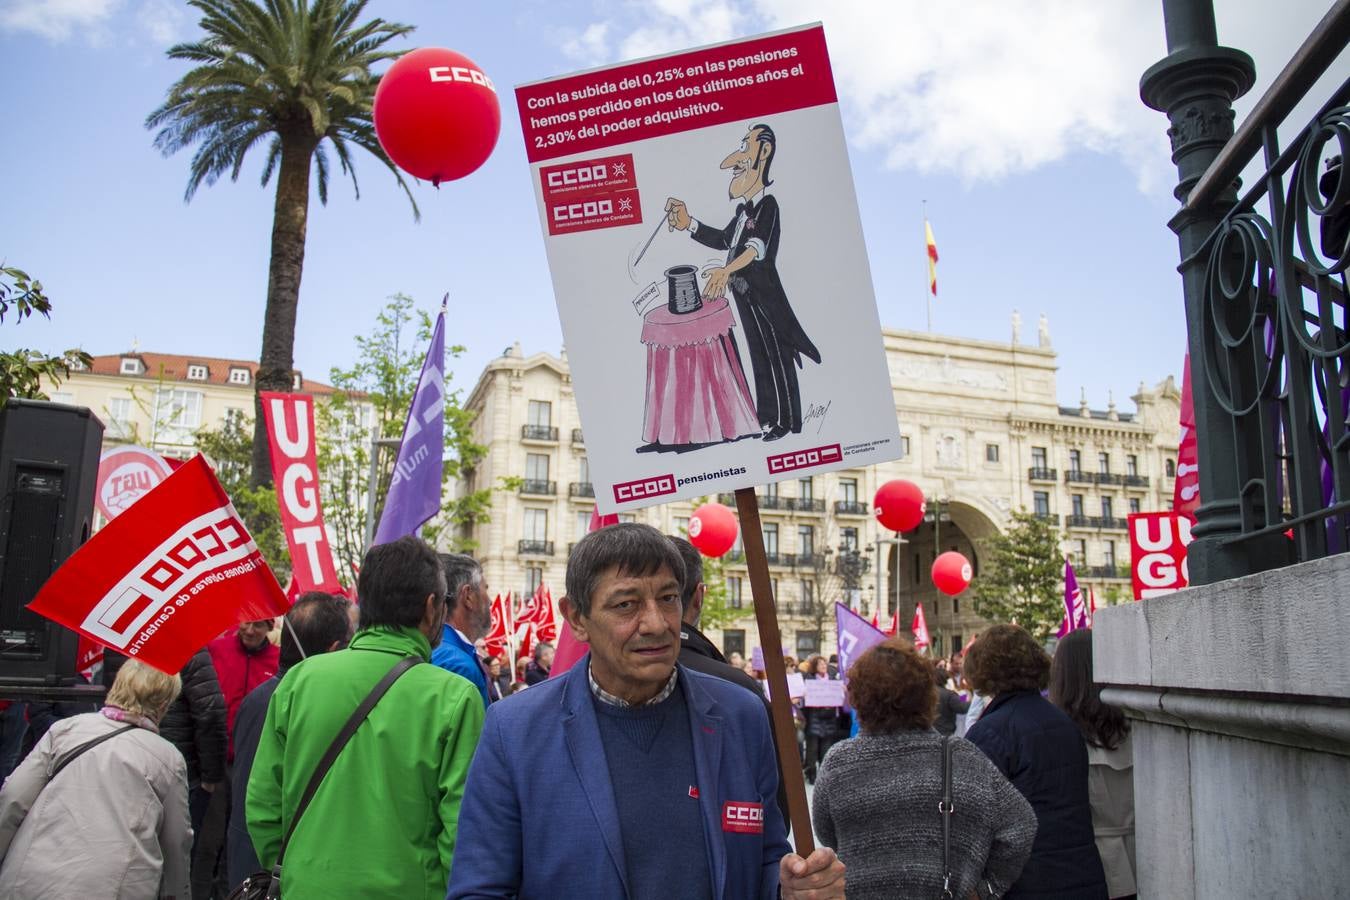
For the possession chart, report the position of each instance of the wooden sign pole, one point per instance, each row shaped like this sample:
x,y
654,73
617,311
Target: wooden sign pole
x,y
766,615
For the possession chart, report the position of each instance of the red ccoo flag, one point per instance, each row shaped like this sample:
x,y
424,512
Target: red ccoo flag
x,y
166,576
920,629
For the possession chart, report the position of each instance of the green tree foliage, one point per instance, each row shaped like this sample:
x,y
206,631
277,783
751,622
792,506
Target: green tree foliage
x,y
375,394
295,76
717,613
22,370
230,449
1022,577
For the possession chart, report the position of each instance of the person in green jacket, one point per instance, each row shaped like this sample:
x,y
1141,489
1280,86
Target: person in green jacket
x,y
383,822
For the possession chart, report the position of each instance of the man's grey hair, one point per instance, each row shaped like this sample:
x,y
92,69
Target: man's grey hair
x,y
630,547
460,569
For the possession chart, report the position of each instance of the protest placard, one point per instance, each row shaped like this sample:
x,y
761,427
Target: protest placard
x,y
823,692
708,263
796,685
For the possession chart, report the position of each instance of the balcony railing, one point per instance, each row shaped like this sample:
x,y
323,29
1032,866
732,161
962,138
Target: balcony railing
x,y
1036,473
1108,478
1136,481
581,489
576,436
851,508
1078,476
1111,523
1263,274
1078,522
538,433
774,502
806,504
539,488
1052,518
535,548
808,560
1107,572
1100,523
734,556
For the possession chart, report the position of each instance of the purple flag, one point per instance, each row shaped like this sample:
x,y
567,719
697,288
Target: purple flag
x,y
1075,610
856,637
415,491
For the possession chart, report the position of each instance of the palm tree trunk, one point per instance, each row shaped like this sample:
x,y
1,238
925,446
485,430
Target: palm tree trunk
x,y
276,362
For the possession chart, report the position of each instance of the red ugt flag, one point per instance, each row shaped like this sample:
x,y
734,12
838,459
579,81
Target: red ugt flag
x,y
166,576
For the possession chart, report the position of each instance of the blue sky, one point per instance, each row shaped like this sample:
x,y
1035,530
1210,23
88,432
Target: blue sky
x,y
1047,182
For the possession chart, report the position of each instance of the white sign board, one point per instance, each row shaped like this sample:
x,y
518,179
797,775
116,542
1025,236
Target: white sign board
x,y
708,263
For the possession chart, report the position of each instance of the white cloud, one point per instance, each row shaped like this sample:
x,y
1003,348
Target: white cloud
x,y
162,20
56,19
981,89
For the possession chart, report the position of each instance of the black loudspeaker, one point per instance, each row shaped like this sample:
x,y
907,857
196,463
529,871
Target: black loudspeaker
x,y
49,456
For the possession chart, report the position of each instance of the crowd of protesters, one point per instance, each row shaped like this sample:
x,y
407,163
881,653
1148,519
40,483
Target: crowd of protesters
x,y
450,785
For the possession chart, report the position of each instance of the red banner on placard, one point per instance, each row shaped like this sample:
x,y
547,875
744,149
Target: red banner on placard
x,y
295,470
166,576
1158,542
710,86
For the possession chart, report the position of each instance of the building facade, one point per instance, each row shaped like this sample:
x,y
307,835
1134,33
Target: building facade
x,y
161,400
982,433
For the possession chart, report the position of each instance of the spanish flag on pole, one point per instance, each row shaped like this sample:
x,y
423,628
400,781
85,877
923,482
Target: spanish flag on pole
x,y
932,257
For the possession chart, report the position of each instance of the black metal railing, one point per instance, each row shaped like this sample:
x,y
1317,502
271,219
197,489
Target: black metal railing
x,y
1106,572
535,548
1264,279
538,433
539,488
1136,481
851,508
1037,473
581,489
1078,476
1078,522
576,436
809,560
773,501
1052,518
1111,523
1108,478
806,504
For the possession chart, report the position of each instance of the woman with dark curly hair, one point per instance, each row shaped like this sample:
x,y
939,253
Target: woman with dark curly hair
x,y
876,796
1041,751
1110,761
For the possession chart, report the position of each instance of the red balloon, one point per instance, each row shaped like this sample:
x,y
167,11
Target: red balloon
x,y
952,573
899,505
436,114
712,529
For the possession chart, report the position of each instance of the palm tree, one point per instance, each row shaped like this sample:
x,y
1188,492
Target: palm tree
x,y
293,74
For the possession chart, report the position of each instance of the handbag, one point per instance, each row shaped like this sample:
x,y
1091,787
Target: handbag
x,y
267,885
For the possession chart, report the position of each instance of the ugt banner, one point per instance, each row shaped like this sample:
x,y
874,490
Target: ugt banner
x,y
709,267
295,471
166,576
1158,542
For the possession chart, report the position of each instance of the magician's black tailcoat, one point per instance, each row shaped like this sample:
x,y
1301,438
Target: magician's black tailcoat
x,y
773,336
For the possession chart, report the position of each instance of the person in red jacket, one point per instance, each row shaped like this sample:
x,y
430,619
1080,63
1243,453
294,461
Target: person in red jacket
x,y
243,661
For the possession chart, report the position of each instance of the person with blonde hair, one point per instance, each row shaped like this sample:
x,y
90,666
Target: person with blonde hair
x,y
100,807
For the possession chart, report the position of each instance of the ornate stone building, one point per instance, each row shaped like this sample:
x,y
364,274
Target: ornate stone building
x,y
982,433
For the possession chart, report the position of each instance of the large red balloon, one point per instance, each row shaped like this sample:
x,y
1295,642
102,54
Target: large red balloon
x,y
899,505
436,114
952,573
712,529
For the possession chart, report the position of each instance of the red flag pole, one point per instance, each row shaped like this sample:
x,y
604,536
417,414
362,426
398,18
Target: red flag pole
x,y
771,639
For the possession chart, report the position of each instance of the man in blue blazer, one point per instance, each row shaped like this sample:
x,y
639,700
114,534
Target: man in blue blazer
x,y
629,777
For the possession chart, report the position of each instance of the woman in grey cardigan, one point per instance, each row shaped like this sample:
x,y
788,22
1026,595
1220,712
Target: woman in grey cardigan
x,y
876,797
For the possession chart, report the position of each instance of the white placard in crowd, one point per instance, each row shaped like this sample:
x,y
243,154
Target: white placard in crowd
x,y
708,263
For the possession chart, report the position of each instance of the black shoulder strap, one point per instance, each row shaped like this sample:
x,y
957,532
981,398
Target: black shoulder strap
x,y
340,741
945,807
87,745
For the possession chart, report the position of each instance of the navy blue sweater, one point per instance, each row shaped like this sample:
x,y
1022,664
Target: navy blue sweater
x,y
650,754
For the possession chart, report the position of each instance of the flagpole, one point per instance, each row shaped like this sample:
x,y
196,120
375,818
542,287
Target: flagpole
x,y
927,287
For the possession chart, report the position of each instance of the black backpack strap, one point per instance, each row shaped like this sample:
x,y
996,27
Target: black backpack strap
x,y
945,807
335,748
87,745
